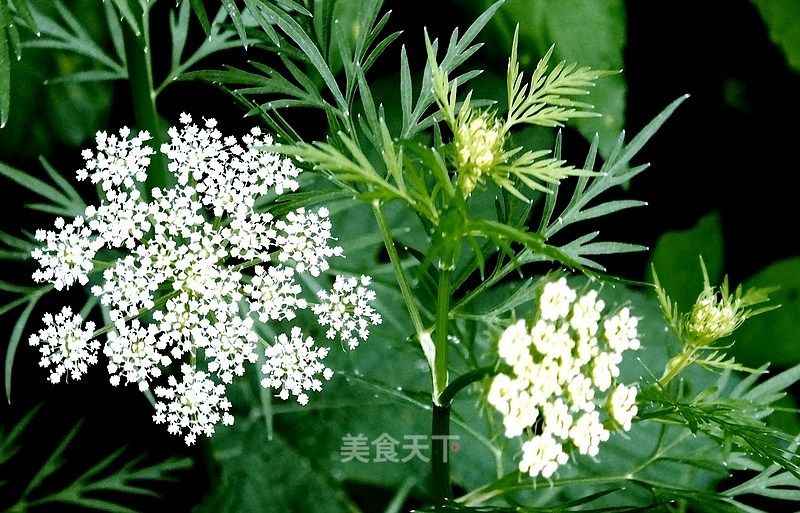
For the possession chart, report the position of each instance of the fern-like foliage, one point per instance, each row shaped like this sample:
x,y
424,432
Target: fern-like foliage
x,y
313,47
65,33
105,485
615,171
716,314
547,99
734,420
58,197
419,174
580,252
13,14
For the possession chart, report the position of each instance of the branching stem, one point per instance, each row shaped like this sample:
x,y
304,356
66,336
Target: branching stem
x,y
140,74
397,265
440,333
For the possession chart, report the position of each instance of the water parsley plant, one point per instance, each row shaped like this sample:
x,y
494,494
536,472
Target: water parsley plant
x,y
425,263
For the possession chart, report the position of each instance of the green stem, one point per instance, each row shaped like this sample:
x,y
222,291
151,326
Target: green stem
x,y
676,365
249,263
462,382
440,333
440,431
440,423
405,288
140,76
515,483
99,265
440,461
158,303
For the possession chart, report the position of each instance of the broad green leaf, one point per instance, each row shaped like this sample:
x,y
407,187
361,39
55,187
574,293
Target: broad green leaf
x,y
774,385
258,474
371,395
774,336
781,17
676,259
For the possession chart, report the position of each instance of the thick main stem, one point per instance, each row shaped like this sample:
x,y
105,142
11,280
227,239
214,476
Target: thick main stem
x,y
440,423
440,332
140,77
440,446
440,432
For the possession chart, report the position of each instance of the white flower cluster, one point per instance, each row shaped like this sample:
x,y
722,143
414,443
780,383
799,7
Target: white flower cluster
x,y
562,367
65,346
192,407
346,309
293,364
201,264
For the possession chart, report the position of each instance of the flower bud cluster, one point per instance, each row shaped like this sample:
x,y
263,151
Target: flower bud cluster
x,y
479,146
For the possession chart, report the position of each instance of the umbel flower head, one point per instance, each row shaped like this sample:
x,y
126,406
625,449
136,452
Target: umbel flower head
x,y
716,314
561,390
185,273
478,146
713,317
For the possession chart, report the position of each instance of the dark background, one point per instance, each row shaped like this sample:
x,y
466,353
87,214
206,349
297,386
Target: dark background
x,y
732,147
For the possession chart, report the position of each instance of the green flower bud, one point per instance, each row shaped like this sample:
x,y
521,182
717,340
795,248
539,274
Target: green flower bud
x,y
713,317
478,144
